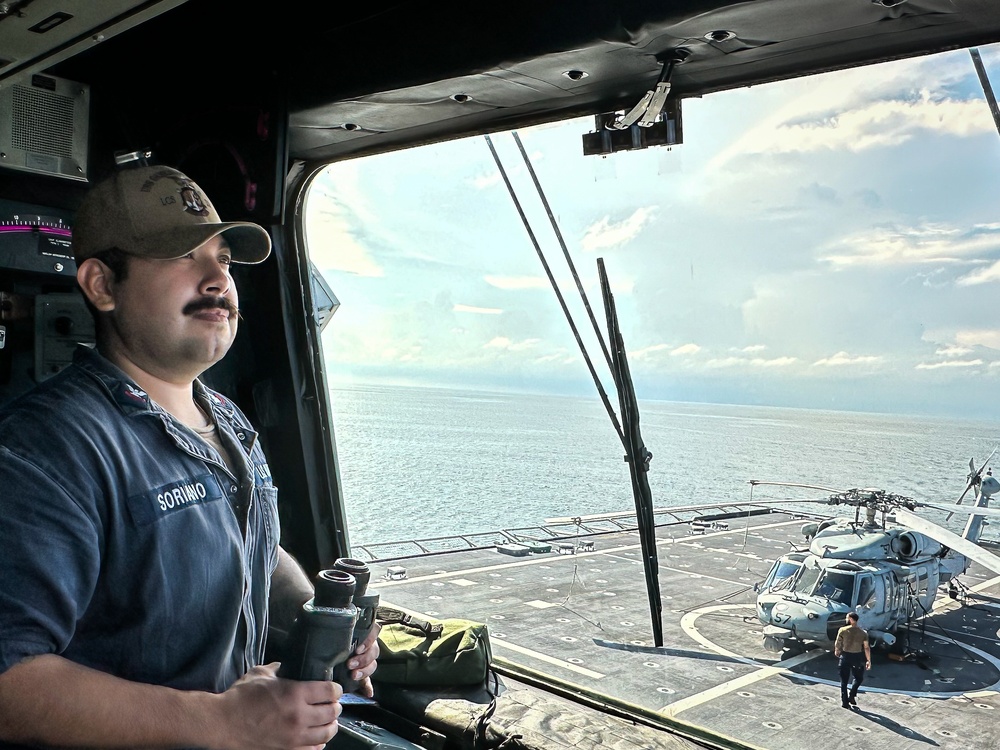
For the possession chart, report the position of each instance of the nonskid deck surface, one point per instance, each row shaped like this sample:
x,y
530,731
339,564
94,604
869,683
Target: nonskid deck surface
x,y
583,618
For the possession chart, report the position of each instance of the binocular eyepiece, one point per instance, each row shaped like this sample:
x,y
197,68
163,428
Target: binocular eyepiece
x,y
330,626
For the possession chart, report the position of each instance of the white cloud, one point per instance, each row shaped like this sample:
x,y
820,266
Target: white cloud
x,y
853,111
754,362
776,362
566,284
753,348
477,310
502,342
982,275
843,358
685,350
648,350
517,282
483,181
879,124
521,346
927,243
989,337
560,358
333,210
333,246
952,350
606,234
949,363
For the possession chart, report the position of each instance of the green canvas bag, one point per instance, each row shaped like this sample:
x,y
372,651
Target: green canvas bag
x,y
431,652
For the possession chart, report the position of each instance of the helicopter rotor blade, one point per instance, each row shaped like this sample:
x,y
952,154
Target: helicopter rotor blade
x,y
964,493
755,482
965,511
723,505
950,539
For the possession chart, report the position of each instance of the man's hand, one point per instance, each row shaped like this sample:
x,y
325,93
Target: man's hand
x,y
50,701
262,711
363,663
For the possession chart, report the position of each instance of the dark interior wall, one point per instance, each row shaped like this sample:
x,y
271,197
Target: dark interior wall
x,y
212,103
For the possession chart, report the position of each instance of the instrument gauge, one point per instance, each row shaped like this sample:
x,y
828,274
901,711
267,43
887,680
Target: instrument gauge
x,y
35,239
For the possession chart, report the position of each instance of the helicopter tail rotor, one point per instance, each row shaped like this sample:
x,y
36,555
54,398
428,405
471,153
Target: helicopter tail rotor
x,y
975,478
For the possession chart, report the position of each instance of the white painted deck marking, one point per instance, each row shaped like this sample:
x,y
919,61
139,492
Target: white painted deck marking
x,y
783,667
740,682
497,642
548,559
683,572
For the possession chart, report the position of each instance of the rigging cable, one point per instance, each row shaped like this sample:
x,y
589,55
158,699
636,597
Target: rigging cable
x,y
555,288
565,250
636,454
984,81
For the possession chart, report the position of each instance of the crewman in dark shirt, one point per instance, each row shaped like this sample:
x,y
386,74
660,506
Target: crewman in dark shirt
x,y
855,655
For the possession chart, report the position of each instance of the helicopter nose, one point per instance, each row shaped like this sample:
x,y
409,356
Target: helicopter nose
x,y
803,620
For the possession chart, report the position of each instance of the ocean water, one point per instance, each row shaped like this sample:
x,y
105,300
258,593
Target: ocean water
x,y
424,462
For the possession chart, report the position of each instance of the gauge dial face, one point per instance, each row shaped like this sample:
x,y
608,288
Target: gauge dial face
x,y
35,239
50,225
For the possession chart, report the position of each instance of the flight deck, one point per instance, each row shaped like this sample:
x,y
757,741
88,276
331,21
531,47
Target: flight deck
x,y
579,613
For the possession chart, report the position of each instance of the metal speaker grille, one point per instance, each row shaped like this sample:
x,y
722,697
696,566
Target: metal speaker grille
x,y
42,122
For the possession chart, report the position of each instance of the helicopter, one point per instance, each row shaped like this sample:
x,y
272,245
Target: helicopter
x,y
886,566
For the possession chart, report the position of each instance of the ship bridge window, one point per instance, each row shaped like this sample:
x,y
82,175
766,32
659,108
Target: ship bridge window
x,y
746,286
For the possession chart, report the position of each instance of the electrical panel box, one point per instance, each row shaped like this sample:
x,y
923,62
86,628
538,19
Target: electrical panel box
x,y
62,321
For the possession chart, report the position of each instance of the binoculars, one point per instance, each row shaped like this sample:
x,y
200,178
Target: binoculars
x,y
330,626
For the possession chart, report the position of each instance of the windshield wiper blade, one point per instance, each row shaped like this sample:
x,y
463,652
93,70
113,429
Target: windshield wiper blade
x,y
637,456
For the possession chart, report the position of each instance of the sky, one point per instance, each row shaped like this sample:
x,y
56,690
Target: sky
x,y
828,242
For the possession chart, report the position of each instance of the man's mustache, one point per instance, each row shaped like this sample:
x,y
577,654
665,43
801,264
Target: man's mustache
x,y
211,303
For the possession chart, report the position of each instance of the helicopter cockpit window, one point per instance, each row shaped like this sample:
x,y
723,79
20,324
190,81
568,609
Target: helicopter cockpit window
x,y
782,575
807,580
866,592
837,586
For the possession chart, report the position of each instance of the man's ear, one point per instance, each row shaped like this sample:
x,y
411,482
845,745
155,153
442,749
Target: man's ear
x,y
97,283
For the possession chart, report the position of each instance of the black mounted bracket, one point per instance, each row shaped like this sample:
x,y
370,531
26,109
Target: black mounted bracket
x,y
654,121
